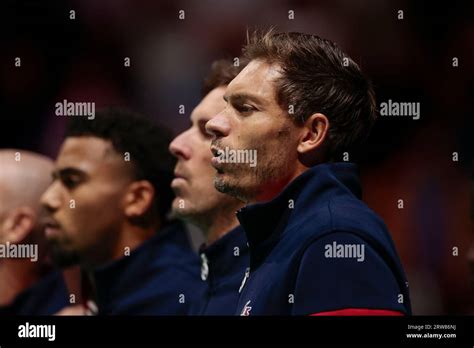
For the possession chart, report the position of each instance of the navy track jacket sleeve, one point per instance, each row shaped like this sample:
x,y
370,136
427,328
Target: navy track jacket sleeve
x,y
342,273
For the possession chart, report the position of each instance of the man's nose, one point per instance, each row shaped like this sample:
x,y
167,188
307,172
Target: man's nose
x,y
50,199
180,147
218,126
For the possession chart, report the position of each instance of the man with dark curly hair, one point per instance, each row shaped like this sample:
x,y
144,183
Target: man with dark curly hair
x,y
107,205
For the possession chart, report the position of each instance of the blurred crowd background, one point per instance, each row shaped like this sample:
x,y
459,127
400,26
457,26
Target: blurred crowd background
x,y
408,59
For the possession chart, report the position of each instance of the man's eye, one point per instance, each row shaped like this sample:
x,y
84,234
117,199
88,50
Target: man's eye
x,y
70,182
245,108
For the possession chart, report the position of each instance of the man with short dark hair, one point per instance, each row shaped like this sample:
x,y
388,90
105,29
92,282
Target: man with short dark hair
x,y
315,247
107,207
225,253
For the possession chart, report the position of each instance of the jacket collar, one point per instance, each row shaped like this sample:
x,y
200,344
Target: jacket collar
x,y
265,223
221,255
113,280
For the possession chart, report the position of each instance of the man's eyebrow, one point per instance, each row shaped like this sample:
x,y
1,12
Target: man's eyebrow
x,y
68,171
242,97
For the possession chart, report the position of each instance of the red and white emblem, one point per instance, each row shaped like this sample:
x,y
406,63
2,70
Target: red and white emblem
x,y
246,310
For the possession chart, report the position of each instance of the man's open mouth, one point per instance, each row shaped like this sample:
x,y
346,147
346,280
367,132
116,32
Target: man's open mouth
x,y
215,151
51,228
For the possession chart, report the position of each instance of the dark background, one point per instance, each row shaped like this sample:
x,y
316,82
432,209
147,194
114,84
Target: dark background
x,y
409,60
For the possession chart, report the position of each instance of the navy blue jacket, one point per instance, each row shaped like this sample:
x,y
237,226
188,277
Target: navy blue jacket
x,y
47,297
317,248
223,266
160,277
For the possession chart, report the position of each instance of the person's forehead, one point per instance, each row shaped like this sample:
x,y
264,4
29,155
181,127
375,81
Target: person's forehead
x,y
210,105
257,78
86,153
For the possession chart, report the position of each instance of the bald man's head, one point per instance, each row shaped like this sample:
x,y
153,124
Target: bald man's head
x,y
24,176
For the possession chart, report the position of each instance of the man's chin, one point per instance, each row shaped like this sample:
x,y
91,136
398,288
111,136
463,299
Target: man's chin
x,y
223,185
63,258
178,206
181,209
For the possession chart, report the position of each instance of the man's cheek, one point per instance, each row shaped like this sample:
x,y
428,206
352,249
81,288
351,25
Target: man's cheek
x,y
83,212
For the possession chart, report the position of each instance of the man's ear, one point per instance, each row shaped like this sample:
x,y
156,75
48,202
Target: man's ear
x,y
139,198
18,224
314,133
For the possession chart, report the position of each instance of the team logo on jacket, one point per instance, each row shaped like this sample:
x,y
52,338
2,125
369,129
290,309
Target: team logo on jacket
x,y
246,310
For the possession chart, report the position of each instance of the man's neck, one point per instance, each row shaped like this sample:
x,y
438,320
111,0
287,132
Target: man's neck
x,y
129,238
219,228
132,237
15,277
274,189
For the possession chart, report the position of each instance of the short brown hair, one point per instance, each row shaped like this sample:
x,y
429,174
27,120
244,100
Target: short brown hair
x,y
317,77
221,73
